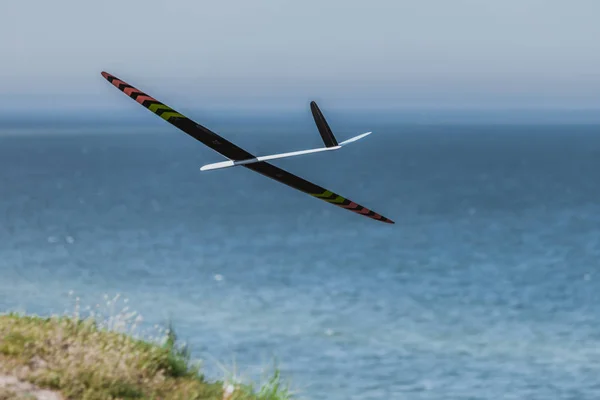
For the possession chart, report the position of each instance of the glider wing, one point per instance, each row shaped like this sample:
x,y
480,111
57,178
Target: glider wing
x,y
235,153
197,131
314,190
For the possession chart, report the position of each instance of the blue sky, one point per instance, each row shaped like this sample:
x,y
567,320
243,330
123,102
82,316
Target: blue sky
x,y
275,53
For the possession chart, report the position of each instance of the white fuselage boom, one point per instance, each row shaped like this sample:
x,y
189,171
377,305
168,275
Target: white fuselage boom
x,y
233,163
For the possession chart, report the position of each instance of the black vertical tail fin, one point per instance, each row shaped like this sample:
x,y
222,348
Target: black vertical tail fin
x,y
324,130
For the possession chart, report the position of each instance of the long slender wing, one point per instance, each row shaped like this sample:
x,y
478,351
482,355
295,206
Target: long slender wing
x,y
190,127
233,152
314,190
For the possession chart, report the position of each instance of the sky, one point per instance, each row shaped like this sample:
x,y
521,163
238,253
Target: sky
x,y
277,53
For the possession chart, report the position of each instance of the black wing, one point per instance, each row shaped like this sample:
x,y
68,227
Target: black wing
x,y
233,152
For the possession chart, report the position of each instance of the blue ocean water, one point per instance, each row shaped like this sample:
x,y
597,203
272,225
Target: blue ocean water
x,y
487,286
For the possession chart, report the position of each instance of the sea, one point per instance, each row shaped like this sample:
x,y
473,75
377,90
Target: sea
x,y
486,287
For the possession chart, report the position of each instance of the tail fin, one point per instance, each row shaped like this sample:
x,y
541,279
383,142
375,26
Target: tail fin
x,y
322,125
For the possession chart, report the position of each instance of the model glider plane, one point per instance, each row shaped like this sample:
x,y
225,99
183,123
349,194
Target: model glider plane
x,y
238,156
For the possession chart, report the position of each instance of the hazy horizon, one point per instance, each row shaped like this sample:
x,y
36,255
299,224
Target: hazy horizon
x,y
272,55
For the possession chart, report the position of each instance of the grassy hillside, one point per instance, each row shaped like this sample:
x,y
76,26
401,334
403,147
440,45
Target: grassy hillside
x,y
86,359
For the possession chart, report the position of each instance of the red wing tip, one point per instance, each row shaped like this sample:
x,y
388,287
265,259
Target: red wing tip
x,y
105,74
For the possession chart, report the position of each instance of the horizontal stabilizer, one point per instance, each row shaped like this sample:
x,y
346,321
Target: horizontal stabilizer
x,y
354,139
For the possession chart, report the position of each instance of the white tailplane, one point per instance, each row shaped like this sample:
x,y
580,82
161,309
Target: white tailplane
x,y
354,139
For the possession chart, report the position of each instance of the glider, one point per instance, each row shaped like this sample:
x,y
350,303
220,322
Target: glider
x,y
238,156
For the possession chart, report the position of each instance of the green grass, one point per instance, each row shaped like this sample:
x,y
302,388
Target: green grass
x,y
85,359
